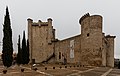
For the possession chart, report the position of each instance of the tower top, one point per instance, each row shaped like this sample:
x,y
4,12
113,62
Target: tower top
x,y
49,19
83,17
108,36
29,19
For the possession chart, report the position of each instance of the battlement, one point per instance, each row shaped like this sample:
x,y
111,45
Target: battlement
x,y
39,23
88,15
108,36
29,19
83,17
49,19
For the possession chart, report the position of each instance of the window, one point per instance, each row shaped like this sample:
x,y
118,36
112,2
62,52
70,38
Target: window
x,y
88,35
59,55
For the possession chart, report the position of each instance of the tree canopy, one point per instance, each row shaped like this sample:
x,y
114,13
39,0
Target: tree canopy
x,y
7,51
25,50
19,55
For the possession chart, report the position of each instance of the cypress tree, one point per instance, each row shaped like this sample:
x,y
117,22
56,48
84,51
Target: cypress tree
x,y
7,50
27,55
24,48
19,55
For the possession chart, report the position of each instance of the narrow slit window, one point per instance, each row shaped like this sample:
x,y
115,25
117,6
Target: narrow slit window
x,y
59,55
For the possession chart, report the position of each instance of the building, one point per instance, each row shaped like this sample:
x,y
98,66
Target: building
x,y
91,47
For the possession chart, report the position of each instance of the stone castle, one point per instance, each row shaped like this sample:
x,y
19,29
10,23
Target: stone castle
x,y
91,47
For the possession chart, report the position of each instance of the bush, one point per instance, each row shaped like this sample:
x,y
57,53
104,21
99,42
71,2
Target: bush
x,y
65,66
22,70
4,71
60,67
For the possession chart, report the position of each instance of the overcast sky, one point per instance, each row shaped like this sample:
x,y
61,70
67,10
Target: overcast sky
x,y
65,15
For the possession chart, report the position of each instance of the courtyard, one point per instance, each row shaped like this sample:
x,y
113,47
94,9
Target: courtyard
x,y
59,70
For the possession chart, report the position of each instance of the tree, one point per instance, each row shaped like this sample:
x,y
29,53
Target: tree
x,y
23,49
7,51
25,53
19,55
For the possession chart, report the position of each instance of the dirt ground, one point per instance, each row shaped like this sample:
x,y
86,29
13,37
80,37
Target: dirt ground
x,y
57,70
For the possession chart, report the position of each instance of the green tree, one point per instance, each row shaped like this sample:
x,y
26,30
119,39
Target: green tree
x,y
24,50
7,51
27,55
19,54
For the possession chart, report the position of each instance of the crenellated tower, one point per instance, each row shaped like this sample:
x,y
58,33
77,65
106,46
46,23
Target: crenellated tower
x,y
40,34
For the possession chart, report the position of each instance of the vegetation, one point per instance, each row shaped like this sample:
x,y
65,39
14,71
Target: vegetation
x,y
25,52
27,55
19,55
7,51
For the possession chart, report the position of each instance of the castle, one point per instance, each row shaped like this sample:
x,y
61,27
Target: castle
x,y
91,47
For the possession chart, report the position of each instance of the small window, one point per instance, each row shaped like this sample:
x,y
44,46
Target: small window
x,y
59,55
88,35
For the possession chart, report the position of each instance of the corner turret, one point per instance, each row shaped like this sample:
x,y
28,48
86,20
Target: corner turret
x,y
110,50
49,21
29,20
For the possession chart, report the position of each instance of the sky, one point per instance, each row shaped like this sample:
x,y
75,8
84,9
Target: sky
x,y
65,15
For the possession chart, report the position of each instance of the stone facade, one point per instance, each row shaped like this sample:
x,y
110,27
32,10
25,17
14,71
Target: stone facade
x,y
91,47
40,37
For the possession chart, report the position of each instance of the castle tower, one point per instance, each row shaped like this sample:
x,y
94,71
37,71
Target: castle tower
x,y
40,35
91,39
110,51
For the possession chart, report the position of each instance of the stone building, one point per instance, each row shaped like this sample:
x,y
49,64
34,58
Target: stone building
x,y
91,47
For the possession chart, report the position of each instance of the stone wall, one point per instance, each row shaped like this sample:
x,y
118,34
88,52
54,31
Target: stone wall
x,y
91,47
63,50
